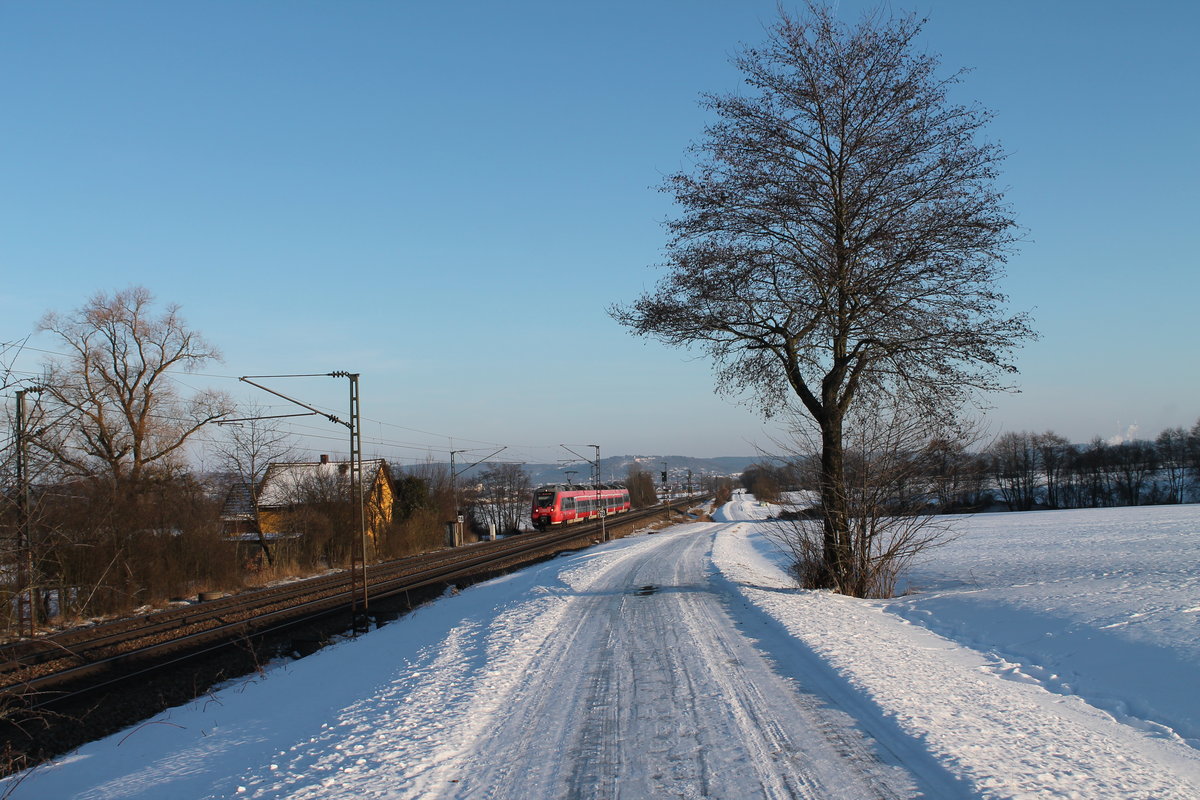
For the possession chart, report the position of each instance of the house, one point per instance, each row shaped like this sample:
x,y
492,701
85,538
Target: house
x,y
238,514
286,488
293,494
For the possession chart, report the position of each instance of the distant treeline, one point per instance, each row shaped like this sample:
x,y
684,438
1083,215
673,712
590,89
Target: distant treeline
x,y
1023,471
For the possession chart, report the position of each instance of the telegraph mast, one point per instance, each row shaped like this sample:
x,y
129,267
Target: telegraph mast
x,y
358,550
26,585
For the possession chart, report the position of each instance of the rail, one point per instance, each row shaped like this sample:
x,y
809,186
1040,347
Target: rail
x,y
41,672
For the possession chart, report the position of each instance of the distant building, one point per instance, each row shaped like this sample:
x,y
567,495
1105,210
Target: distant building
x,y
291,492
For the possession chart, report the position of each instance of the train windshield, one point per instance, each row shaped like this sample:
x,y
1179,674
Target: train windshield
x,y
543,499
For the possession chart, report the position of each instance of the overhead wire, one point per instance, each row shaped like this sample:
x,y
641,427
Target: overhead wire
x,y
309,431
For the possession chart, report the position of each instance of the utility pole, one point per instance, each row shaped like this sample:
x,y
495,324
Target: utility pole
x,y
666,492
458,517
596,483
599,499
357,488
26,585
358,550
250,476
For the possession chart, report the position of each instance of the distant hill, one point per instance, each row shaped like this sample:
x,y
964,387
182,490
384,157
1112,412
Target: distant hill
x,y
616,468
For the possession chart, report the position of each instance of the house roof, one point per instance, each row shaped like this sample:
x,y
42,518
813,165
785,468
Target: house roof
x,y
239,504
284,484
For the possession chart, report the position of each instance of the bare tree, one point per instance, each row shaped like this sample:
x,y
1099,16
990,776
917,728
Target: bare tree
x,y
504,498
1015,466
641,487
123,521
247,447
1054,453
840,232
1132,464
1092,476
891,507
957,476
121,415
763,480
9,351
1172,447
1193,448
721,489
315,504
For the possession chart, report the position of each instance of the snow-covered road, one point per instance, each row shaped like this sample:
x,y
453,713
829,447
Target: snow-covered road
x,y
678,664
640,684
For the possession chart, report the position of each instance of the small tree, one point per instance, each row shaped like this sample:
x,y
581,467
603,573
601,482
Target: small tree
x,y
763,481
641,487
890,501
721,490
840,236
504,499
247,448
1054,453
1194,450
1172,447
1015,467
957,477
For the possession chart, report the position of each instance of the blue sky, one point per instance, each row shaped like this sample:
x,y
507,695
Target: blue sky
x,y
446,197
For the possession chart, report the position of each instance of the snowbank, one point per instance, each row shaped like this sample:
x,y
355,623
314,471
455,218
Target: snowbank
x,y
1057,645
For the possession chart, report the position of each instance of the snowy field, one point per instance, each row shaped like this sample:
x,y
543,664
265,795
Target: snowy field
x,y
1041,655
1100,603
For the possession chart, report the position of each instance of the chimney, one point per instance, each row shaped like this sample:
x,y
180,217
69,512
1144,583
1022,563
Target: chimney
x,y
324,458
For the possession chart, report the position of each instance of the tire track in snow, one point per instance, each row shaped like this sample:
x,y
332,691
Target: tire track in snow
x,y
999,738
658,695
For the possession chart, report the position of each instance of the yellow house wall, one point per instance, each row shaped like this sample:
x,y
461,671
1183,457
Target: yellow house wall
x,y
379,503
270,521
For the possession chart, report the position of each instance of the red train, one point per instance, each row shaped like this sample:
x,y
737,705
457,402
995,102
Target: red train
x,y
558,505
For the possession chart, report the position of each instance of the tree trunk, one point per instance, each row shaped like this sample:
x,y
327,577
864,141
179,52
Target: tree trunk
x,y
837,551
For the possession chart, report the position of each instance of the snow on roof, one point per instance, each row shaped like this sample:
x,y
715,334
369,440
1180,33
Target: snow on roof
x,y
270,537
284,484
239,504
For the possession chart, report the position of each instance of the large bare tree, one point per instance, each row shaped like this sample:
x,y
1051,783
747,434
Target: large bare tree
x,y
117,412
840,235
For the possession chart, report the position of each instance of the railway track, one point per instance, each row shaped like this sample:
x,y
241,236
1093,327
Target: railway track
x,y
43,673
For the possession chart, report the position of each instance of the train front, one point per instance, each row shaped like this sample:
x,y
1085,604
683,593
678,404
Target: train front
x,y
543,507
